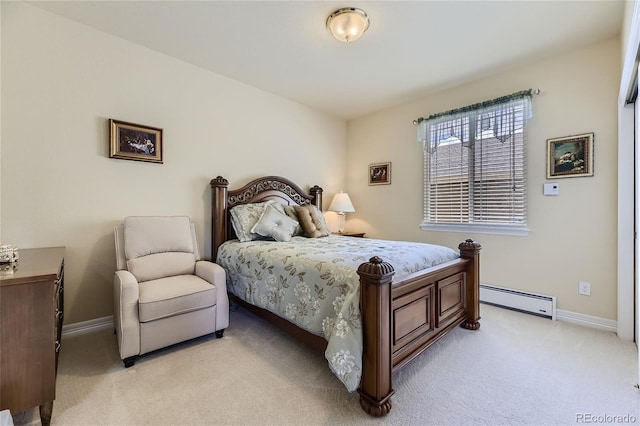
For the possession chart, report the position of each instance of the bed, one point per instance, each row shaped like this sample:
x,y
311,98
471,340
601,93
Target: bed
x,y
401,307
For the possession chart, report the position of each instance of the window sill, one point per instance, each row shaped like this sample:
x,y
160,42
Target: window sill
x,y
518,231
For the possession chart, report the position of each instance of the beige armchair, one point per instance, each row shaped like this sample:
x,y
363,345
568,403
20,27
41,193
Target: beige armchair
x,y
163,293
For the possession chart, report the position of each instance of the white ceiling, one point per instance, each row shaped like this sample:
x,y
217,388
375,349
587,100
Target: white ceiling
x,y
412,48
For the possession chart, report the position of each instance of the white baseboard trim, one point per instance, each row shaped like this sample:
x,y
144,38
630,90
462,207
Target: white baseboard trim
x,y
561,315
88,326
587,320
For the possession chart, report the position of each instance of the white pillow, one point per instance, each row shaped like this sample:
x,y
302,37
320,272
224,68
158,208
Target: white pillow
x,y
244,217
274,224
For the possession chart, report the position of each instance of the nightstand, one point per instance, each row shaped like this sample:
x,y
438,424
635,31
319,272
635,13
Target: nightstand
x,y
353,234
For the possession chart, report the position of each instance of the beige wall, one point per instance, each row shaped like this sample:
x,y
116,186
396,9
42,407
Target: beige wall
x,y
573,236
61,83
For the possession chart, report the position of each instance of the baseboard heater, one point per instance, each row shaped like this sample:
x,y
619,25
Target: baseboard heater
x,y
536,304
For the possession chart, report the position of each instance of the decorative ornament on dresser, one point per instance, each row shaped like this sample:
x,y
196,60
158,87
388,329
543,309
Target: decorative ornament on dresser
x,y
8,259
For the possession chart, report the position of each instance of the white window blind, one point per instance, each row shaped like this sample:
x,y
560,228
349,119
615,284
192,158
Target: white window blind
x,y
475,166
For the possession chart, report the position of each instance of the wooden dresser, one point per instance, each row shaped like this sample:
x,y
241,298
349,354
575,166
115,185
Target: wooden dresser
x,y
31,314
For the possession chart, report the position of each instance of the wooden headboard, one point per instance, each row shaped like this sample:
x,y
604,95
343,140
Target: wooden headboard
x,y
274,188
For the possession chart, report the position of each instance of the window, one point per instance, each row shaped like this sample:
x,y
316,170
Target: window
x,y
475,167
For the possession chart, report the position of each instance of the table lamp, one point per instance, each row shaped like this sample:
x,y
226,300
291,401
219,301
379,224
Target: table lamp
x,y
341,204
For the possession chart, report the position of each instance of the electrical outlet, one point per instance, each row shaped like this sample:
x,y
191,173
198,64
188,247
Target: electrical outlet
x,y
584,288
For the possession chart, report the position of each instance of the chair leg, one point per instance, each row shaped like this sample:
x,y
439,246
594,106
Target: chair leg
x,y
128,362
219,334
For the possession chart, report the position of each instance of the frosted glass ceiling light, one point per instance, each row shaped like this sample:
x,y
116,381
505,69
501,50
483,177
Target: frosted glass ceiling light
x,y
348,24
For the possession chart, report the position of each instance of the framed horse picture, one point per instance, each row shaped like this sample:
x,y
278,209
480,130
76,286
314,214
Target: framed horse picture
x,y
129,141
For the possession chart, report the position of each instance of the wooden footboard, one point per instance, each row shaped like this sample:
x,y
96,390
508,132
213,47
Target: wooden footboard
x,y
400,319
401,316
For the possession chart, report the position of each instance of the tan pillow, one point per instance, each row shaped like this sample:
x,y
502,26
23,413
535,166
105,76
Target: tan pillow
x,y
291,212
312,221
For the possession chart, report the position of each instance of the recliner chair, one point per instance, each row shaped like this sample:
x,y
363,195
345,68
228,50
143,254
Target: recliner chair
x,y
163,293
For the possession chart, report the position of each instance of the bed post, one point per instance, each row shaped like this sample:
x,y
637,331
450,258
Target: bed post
x,y
218,214
316,192
470,249
375,307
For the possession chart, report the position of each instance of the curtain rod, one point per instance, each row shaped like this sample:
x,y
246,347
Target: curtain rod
x,y
480,104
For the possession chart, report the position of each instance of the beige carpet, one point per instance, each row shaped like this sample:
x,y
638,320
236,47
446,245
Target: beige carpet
x,y
517,369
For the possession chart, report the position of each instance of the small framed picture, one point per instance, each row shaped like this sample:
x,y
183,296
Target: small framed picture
x,y
570,156
130,141
380,174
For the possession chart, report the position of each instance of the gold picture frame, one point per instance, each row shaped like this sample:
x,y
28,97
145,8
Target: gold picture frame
x,y
129,141
380,174
570,156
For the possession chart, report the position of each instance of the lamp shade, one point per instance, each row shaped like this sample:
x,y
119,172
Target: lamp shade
x,y
348,24
341,203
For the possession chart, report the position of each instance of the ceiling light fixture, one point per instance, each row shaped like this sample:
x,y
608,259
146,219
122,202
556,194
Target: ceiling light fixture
x,y
348,24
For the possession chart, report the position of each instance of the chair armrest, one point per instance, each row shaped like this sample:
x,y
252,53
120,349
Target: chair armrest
x,y
125,313
211,272
214,274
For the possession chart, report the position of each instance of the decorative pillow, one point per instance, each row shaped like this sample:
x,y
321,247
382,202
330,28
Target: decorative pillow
x,y
312,221
274,224
291,212
245,216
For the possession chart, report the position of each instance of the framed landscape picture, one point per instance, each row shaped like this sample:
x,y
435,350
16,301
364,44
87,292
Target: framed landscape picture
x,y
380,174
129,141
570,156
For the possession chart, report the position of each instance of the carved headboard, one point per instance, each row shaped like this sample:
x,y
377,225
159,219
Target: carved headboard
x,y
275,188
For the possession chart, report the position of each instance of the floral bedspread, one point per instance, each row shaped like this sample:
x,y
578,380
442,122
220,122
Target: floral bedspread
x,y
313,283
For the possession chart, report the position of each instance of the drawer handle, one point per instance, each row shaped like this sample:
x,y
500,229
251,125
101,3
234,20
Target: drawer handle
x,y
57,346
